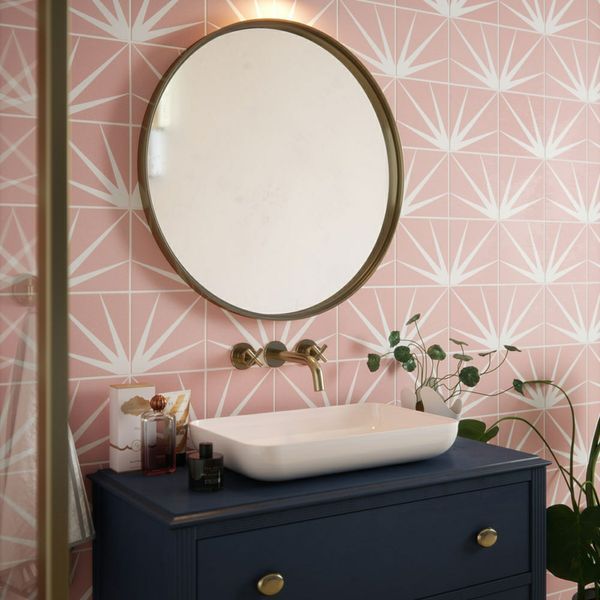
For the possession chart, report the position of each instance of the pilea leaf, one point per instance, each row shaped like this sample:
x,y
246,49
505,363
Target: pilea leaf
x,y
469,376
518,386
436,352
413,319
402,353
488,353
410,365
463,357
512,348
394,338
458,342
373,362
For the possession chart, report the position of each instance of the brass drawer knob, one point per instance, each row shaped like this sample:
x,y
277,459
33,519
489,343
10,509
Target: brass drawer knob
x,y
270,584
487,537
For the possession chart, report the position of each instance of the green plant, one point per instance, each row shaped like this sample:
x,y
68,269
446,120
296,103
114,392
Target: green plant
x,y
573,540
416,357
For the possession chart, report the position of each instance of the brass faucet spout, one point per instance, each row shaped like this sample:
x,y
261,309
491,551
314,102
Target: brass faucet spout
x,y
276,354
312,363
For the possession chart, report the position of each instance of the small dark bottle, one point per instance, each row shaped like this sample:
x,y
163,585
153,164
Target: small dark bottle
x,y
205,469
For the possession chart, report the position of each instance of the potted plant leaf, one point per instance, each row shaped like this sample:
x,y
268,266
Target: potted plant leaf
x,y
436,392
573,529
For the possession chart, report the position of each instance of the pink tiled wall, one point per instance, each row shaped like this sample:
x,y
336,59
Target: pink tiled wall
x,y
499,240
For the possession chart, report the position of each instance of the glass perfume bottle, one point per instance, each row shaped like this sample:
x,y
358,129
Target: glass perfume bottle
x,y
158,439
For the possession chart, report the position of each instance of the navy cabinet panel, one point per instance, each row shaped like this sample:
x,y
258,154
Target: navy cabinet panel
x,y
392,550
397,533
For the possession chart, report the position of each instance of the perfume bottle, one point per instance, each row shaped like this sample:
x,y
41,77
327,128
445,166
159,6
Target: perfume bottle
x,y
205,469
158,439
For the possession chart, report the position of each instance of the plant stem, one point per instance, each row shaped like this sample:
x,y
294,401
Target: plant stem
x,y
591,467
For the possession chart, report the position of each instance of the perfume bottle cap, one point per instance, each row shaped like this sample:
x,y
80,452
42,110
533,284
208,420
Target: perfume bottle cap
x,y
205,450
158,402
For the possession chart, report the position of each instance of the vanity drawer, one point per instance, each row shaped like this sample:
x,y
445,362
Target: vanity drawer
x,y
405,551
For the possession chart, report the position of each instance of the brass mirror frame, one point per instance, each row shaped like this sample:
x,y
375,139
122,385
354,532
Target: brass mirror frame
x,y
392,142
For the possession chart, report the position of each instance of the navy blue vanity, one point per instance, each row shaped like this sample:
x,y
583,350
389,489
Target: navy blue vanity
x,y
402,532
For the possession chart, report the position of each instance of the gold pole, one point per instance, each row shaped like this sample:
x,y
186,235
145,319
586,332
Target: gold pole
x,y
52,301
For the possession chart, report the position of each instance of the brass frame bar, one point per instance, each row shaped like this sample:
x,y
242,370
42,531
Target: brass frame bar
x,y
53,552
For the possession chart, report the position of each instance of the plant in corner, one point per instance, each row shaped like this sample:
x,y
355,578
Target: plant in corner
x,y
573,530
441,393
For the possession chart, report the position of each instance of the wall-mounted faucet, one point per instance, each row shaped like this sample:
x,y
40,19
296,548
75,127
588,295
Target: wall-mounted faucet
x,y
306,352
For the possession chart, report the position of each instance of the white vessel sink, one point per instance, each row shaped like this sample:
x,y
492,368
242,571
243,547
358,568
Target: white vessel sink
x,y
315,441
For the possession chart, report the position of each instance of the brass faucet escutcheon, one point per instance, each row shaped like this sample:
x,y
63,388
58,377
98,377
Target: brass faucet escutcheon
x,y
306,352
243,356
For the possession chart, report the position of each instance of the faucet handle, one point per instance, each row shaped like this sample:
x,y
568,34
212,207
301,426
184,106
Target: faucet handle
x,y
313,349
243,356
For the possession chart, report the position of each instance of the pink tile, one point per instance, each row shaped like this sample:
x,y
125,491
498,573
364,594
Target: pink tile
x,y
18,61
522,315
294,387
81,575
474,186
522,126
99,156
422,252
364,323
522,189
425,183
594,253
320,328
566,249
98,250
473,252
559,426
527,365
18,154
566,314
99,79
566,69
566,18
422,114
522,256
103,18
357,384
18,339
567,193
422,46
473,120
593,139
167,332
89,417
521,61
18,244
477,10
233,392
225,329
593,194
474,316
566,366
566,130
432,304
368,30
148,64
519,436
557,493
177,24
524,15
150,269
316,13
474,54
593,305
98,335
593,378
593,21
23,14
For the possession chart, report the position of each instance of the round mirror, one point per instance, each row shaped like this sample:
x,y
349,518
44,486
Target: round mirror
x,y
270,170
